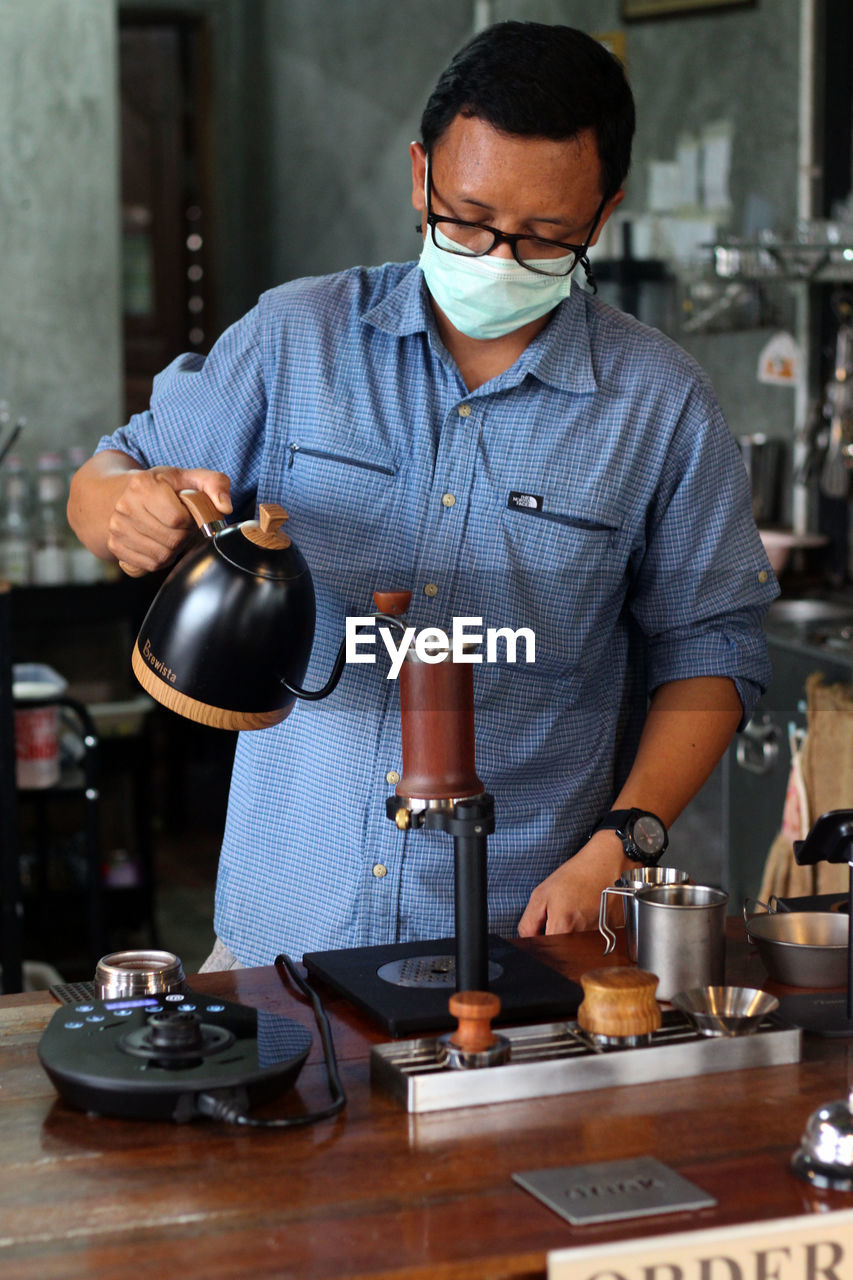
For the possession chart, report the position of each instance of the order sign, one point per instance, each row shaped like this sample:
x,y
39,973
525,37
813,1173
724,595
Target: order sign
x,y
814,1247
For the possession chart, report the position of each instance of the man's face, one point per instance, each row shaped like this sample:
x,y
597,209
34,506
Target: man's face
x,y
534,186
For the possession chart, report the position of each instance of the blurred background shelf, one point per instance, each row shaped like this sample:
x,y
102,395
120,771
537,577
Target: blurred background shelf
x,y
135,865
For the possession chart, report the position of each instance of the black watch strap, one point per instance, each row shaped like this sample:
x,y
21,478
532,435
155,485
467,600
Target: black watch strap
x,y
615,820
622,821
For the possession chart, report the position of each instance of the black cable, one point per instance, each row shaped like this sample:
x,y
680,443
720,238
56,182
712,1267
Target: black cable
x,y
218,1109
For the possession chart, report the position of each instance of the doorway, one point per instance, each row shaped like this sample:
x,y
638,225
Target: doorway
x,y
167,290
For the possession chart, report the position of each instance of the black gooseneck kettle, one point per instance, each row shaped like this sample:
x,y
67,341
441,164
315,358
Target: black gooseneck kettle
x,y
227,639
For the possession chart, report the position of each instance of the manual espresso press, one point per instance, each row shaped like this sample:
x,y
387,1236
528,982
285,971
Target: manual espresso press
x,y
439,788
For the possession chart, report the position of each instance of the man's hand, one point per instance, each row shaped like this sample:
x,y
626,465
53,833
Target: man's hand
x,y
688,727
119,510
569,899
149,523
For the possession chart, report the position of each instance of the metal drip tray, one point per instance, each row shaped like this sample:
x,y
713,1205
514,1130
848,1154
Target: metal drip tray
x,y
557,1057
427,971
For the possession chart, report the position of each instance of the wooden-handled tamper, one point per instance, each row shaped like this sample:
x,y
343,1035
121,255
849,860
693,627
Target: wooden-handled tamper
x,y
473,1043
619,1005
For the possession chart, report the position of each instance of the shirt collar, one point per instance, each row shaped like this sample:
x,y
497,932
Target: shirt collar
x,y
560,355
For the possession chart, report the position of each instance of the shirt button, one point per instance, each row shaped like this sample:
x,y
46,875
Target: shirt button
x,y
448,499
379,870
392,776
464,411
763,575
430,589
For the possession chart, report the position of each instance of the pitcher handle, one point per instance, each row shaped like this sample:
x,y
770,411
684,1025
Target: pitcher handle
x,y
623,891
772,906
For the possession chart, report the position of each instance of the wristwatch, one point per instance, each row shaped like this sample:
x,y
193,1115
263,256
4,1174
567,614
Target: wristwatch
x,y
643,835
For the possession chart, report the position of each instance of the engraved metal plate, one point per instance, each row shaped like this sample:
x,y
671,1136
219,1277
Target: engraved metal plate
x,y
613,1189
427,971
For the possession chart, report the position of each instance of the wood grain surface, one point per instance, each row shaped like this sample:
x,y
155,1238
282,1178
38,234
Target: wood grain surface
x,y
377,1192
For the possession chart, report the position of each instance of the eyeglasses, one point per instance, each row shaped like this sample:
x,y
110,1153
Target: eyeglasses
x,y
477,239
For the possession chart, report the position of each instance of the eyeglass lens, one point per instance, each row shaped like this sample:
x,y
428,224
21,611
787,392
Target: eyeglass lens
x,y
541,255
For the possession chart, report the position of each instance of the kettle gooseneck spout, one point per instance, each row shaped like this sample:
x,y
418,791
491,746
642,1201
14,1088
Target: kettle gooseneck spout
x,y
314,695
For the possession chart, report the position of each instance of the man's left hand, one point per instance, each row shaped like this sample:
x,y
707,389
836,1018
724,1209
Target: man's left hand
x,y
570,898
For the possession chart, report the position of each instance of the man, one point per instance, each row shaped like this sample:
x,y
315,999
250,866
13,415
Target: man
x,y
478,428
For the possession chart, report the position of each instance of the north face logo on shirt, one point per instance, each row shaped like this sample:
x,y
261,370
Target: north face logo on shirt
x,y
530,501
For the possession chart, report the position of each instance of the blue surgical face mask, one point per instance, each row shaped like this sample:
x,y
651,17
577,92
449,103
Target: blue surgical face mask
x,y
487,297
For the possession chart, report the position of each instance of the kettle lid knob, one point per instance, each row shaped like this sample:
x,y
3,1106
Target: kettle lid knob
x,y
267,530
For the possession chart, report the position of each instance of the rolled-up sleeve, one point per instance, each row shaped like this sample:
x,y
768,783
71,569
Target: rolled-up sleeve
x,y
206,411
703,582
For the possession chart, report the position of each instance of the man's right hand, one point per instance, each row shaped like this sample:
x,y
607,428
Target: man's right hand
x,y
149,523
120,510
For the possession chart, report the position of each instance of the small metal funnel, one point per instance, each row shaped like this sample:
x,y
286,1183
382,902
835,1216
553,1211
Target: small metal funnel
x,y
725,1011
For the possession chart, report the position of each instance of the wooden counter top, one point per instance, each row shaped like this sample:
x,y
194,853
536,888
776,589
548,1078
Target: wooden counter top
x,y
377,1192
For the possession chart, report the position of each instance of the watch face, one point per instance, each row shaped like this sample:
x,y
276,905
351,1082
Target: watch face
x,y
648,834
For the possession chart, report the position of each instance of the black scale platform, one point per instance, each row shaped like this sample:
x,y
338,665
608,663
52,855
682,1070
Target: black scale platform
x,y
528,989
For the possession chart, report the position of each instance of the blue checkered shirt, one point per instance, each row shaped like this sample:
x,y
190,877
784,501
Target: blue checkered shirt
x,y
631,553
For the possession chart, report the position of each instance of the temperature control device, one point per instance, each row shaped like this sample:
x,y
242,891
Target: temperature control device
x,y
155,1057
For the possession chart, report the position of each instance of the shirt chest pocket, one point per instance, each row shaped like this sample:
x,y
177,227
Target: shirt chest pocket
x,y
343,500
566,575
340,483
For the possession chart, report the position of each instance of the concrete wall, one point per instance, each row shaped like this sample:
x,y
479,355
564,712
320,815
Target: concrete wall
x,y
314,103
60,334
346,83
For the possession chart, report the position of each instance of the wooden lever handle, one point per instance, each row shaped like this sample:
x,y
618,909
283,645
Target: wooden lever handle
x,y
392,602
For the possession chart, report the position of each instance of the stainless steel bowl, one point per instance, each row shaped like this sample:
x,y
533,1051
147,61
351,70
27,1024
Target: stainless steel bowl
x,y
802,948
725,1011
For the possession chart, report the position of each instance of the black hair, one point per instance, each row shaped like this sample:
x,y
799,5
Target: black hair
x,y
534,80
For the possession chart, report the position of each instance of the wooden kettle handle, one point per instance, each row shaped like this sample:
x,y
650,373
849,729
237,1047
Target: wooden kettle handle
x,y
202,510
